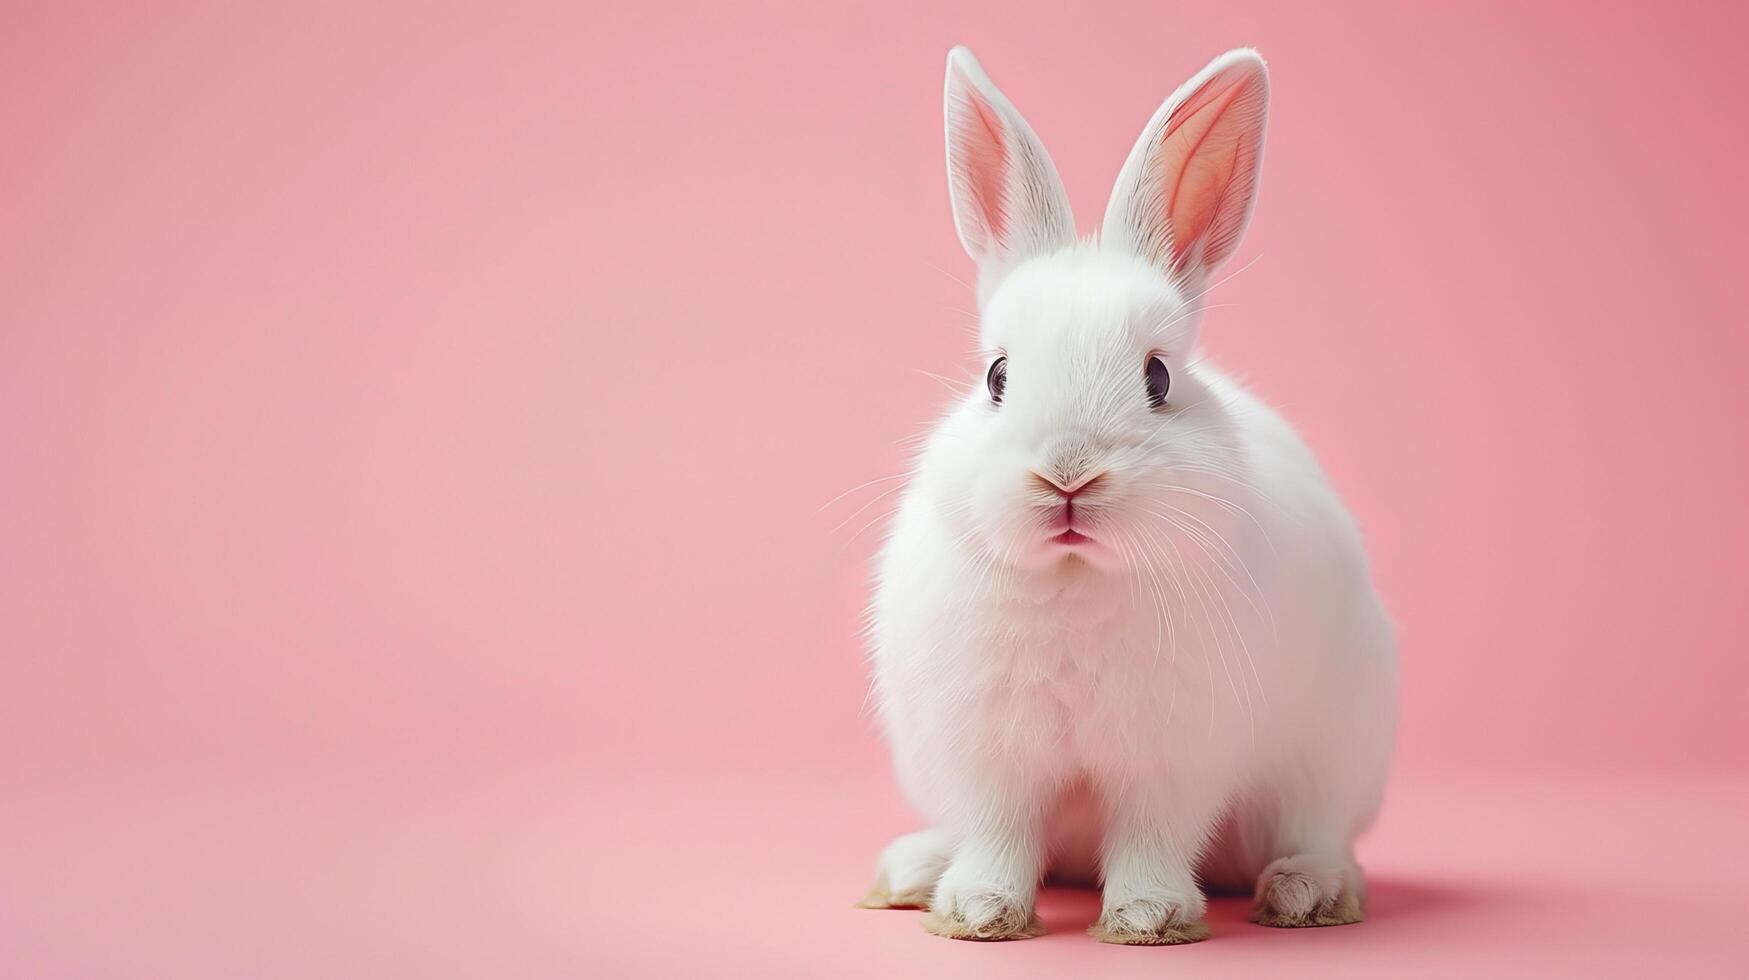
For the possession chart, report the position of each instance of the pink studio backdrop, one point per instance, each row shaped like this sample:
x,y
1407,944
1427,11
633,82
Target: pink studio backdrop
x,y
469,392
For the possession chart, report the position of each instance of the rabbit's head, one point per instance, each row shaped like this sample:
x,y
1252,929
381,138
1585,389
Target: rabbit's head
x,y
1091,421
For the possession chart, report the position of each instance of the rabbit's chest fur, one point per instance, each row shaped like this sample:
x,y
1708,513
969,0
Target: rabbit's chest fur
x,y
1069,680
1085,684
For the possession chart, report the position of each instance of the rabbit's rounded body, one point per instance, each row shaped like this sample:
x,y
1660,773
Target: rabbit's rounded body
x,y
1264,680
1123,628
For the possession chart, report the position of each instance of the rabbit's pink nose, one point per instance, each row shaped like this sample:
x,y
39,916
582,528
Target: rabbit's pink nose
x,y
1069,490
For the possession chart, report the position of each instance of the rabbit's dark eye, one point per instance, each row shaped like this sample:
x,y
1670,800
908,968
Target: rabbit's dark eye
x,y
997,379
1159,380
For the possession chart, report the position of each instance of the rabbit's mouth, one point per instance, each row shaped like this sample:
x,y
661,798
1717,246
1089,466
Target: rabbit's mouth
x,y
1063,527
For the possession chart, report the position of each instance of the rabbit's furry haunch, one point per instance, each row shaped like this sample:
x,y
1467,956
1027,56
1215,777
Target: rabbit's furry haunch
x,y
1123,628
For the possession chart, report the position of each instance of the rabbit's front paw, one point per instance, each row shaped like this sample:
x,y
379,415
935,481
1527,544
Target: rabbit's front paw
x,y
1309,890
981,914
1150,922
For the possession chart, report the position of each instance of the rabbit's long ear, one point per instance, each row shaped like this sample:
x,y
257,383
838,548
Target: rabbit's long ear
x,y
1185,193
1008,203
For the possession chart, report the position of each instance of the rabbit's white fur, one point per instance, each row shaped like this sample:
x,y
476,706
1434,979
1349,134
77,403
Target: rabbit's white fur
x,y
1204,690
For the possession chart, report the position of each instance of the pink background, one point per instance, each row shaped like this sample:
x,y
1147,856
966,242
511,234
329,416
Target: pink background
x,y
421,434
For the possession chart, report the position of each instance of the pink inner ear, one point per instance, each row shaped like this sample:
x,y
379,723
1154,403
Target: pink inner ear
x,y
985,155
1210,144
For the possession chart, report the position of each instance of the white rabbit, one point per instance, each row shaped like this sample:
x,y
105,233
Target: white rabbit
x,y
1123,628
